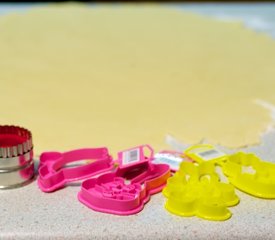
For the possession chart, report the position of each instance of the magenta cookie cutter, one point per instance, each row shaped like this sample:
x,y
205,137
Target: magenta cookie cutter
x,y
52,176
126,190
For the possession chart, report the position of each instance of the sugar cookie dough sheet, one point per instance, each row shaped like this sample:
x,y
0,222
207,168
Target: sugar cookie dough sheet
x,y
81,76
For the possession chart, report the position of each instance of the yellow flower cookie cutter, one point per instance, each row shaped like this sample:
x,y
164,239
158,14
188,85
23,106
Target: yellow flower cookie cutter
x,y
197,191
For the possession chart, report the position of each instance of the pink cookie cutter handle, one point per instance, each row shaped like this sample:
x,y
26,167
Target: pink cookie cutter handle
x,y
52,176
126,160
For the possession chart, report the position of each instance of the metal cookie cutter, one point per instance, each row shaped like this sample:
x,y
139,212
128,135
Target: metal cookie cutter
x,y
16,157
53,175
126,190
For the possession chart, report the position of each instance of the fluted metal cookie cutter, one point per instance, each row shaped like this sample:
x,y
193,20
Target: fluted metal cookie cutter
x,y
16,157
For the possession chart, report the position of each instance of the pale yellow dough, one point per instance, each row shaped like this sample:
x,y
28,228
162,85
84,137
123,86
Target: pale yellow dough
x,y
120,76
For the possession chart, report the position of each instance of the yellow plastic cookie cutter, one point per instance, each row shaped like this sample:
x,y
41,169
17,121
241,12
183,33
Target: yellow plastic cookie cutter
x,y
250,174
197,191
205,152
259,182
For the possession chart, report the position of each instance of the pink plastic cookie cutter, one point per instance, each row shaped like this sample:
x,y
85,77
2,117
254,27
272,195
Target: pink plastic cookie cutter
x,y
126,190
53,175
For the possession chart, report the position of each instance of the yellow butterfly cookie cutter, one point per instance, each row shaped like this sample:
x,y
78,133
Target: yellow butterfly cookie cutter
x,y
245,171
250,174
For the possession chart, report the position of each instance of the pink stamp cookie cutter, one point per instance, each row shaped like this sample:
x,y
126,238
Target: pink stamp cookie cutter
x,y
53,175
126,190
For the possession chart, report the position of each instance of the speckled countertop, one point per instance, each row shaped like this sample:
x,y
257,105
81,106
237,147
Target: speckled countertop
x,y
28,213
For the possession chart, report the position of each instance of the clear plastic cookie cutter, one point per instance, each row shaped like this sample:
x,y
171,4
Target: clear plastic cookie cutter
x,y
172,158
